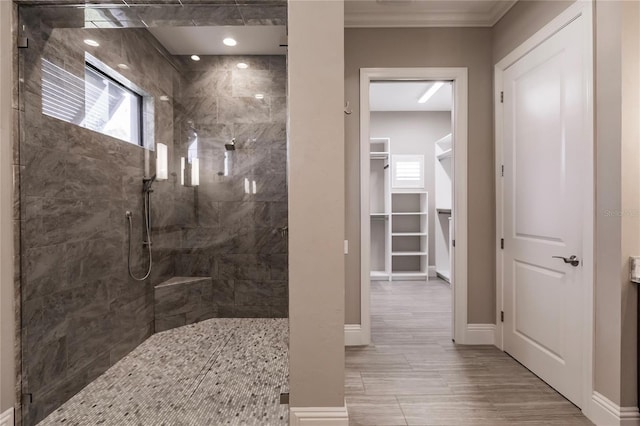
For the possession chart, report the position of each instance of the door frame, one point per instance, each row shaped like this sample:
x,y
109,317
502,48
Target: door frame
x,y
579,9
361,335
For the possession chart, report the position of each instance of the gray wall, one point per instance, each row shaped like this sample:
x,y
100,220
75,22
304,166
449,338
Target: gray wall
x,y
226,233
429,47
316,196
414,132
8,105
81,312
523,20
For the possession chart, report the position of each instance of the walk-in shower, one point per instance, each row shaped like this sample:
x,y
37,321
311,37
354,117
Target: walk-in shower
x,y
152,196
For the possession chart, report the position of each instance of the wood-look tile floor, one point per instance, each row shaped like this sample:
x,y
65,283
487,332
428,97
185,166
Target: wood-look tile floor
x,y
413,374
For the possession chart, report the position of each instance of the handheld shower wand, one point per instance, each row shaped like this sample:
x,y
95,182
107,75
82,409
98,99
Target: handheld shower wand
x,y
146,194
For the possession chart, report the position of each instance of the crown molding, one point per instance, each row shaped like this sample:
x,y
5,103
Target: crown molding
x,y
362,15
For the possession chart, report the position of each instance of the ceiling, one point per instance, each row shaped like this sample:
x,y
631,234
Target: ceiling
x,y
424,13
403,96
252,40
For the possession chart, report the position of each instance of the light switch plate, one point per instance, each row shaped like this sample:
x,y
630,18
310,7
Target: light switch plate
x,y
634,267
346,246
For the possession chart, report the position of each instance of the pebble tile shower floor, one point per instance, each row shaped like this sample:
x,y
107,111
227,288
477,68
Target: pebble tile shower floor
x,y
216,372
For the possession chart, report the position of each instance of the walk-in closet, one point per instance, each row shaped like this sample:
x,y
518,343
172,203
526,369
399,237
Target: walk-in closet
x,y
410,180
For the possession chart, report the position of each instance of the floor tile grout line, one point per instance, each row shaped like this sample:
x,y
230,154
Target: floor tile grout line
x,y
404,416
208,365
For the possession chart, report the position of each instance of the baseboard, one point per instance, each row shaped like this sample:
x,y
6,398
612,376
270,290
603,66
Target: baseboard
x,y
604,412
6,418
480,334
354,336
319,416
432,272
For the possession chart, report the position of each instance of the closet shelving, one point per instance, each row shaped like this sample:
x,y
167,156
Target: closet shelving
x,y
443,202
379,207
409,235
399,222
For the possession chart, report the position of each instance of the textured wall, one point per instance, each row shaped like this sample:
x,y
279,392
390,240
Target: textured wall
x,y
81,311
231,224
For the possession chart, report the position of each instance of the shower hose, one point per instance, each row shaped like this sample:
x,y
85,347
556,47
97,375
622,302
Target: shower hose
x,y
147,243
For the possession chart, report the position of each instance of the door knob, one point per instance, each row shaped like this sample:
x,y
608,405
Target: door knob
x,y
573,260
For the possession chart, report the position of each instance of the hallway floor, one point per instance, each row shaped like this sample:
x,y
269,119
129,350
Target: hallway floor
x,y
413,374
216,372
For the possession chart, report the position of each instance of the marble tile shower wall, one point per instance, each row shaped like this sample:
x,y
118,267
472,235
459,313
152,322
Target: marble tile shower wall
x,y
234,222
81,312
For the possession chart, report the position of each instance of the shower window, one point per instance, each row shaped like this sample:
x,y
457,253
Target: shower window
x,y
111,108
99,102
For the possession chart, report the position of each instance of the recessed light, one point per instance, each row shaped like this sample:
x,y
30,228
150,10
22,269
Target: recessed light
x,y
195,57
429,93
123,66
92,43
242,66
259,96
229,41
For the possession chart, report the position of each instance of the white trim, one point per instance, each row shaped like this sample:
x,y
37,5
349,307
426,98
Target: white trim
x,y
319,416
6,418
353,335
459,76
580,8
481,334
606,413
370,15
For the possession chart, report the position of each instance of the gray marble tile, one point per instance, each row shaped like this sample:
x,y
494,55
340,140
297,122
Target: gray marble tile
x,y
243,215
278,214
241,267
202,111
271,186
252,311
45,173
92,259
279,109
278,63
259,293
243,110
45,271
248,82
203,83
264,15
254,62
278,266
223,295
267,135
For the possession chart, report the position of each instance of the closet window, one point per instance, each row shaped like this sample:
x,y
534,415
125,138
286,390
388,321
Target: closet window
x,y
408,171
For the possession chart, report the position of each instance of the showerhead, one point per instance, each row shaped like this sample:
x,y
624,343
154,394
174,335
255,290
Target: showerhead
x,y
231,146
147,182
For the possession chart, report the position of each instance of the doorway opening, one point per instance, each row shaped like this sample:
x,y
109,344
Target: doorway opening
x,y
413,184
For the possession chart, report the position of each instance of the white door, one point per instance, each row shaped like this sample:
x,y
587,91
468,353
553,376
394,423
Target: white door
x,y
544,145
